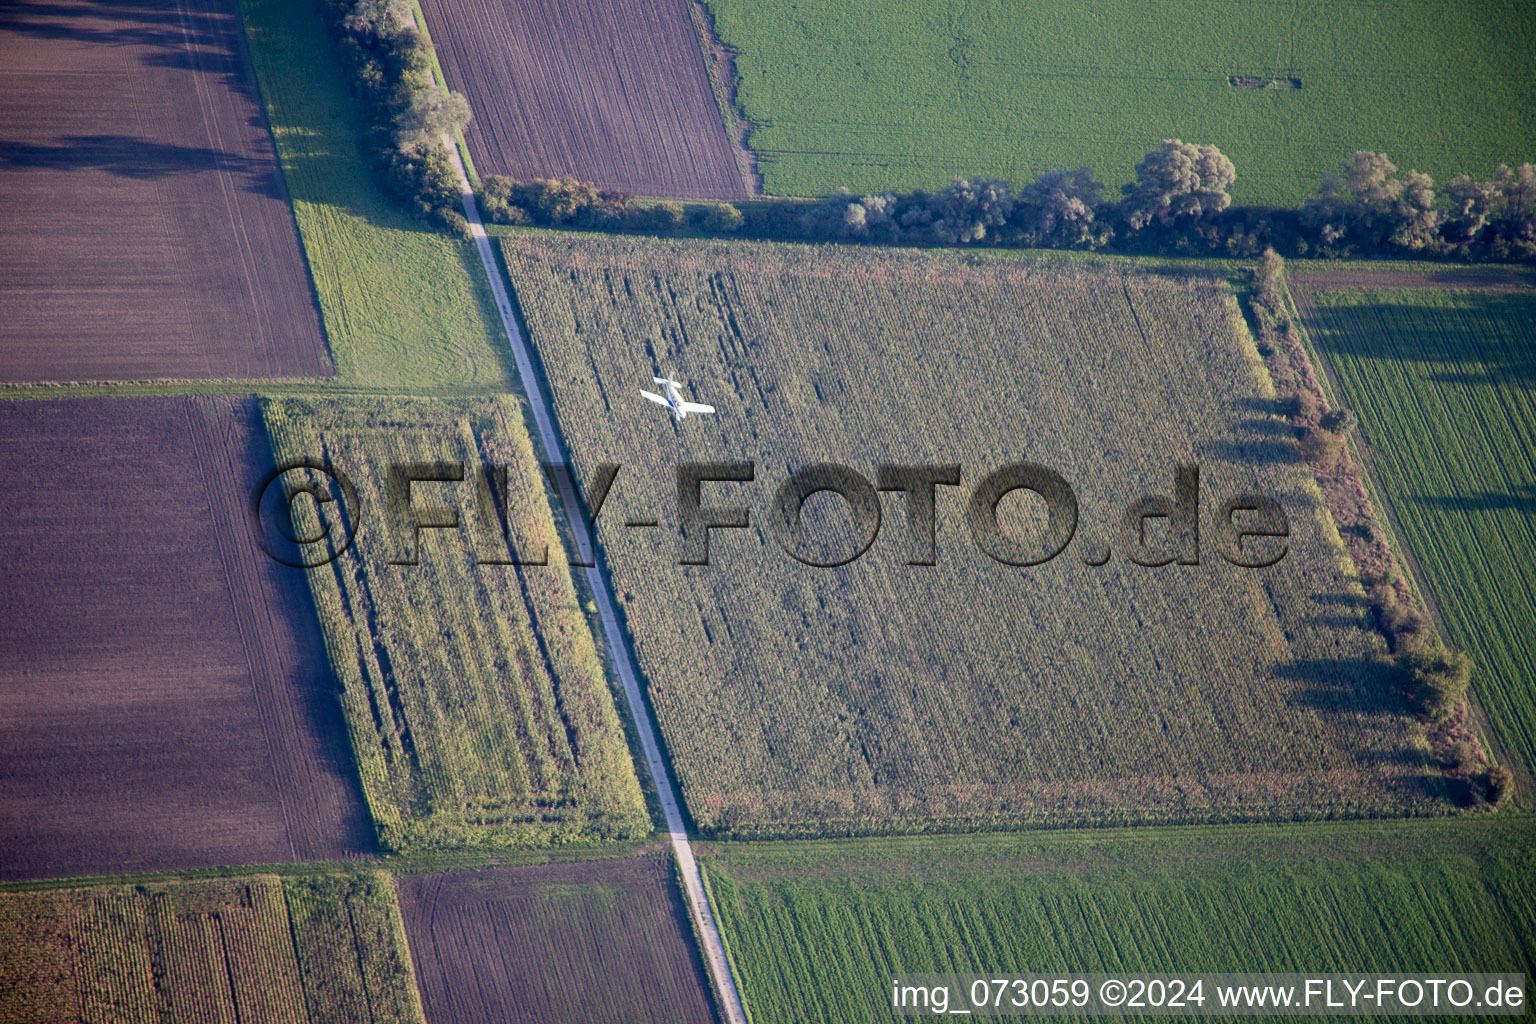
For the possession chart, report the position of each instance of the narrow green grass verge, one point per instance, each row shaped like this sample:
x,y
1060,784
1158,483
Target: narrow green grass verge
x,y
403,304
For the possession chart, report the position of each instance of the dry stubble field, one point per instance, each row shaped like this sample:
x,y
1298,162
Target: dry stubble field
x,y
164,697
144,224
881,696
477,701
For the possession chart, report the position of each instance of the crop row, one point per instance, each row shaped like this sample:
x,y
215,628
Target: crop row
x,y
258,948
903,94
817,930
1441,383
878,695
477,702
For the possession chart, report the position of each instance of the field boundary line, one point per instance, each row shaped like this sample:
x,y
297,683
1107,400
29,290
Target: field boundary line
x,y
1304,312
729,996
720,62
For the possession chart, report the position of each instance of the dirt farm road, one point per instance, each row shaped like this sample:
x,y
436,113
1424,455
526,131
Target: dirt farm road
x,y
693,881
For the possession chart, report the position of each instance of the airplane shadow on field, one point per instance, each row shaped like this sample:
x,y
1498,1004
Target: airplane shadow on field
x,y
127,156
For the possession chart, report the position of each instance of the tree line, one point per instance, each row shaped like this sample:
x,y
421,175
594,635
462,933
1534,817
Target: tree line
x,y
1180,203
405,114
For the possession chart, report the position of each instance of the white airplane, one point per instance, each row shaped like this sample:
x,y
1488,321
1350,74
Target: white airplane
x,y
673,400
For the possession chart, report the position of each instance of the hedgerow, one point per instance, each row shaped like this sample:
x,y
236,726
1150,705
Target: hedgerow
x,y
1179,205
1433,676
388,62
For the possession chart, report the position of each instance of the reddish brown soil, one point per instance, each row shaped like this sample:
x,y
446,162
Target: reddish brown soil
x,y
165,697
593,942
144,225
610,91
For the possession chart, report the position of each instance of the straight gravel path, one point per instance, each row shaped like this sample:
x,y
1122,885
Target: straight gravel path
x,y
693,881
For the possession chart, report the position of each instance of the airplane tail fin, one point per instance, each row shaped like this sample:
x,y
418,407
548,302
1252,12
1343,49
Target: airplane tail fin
x,y
664,380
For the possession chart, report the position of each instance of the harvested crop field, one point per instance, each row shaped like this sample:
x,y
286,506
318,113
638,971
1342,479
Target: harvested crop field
x,y
1440,372
166,698
880,695
297,950
601,941
608,91
144,226
477,701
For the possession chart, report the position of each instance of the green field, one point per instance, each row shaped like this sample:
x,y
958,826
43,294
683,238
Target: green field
x,y
259,948
881,696
816,930
1442,382
476,699
900,94
403,304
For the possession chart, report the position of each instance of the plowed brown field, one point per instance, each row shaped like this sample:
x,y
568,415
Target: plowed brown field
x,y
596,941
607,91
144,224
165,699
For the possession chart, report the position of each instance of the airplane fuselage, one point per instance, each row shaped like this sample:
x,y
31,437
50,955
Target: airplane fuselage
x,y
673,399
675,402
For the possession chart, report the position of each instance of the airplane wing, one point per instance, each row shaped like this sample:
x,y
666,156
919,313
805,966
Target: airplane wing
x,y
697,409
656,398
